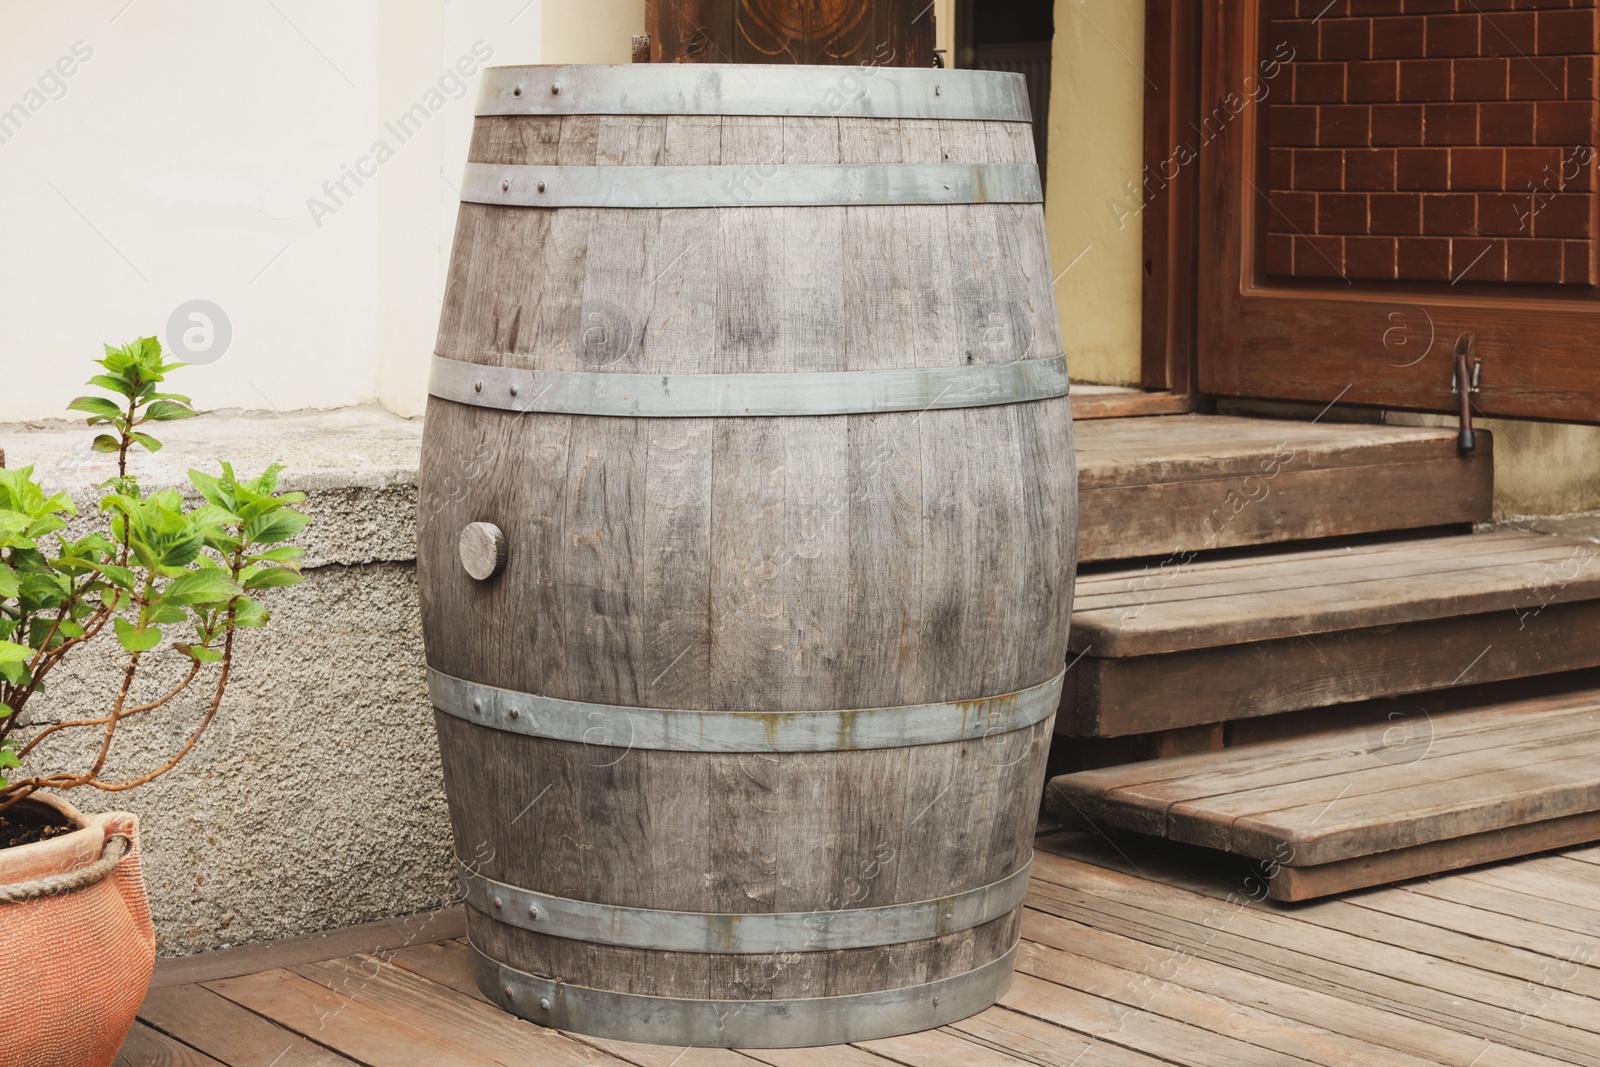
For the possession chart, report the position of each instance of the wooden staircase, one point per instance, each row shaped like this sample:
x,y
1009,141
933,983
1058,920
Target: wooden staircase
x,y
1320,586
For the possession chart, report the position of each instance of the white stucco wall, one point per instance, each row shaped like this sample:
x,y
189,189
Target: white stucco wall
x,y
176,162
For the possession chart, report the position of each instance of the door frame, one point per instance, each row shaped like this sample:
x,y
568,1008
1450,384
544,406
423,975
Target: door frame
x,y
1171,193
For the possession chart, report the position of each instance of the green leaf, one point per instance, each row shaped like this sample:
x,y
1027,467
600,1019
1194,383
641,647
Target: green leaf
x,y
147,441
10,584
272,578
200,587
115,385
8,759
11,652
97,406
106,443
5,711
168,411
276,526
118,576
248,614
160,614
201,653
136,639
216,490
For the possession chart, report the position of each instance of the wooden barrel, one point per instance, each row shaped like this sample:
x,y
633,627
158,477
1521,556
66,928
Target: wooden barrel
x,y
747,530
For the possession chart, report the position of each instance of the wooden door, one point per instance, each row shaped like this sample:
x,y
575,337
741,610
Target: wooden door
x,y
885,33
1380,177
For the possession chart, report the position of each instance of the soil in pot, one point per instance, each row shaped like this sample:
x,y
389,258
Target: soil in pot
x,y
26,823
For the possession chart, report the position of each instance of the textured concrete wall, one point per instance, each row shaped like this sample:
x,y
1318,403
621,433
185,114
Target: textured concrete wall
x,y
316,799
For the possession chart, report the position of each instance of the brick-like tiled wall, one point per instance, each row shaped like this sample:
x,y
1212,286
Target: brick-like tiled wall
x,y
1433,140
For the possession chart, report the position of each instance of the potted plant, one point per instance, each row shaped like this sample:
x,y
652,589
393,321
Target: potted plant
x,y
158,579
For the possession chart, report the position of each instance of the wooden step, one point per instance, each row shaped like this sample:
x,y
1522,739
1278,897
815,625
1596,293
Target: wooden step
x,y
1171,486
1358,807
1159,648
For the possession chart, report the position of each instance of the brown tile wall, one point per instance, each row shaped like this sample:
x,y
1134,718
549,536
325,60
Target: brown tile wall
x,y
1433,140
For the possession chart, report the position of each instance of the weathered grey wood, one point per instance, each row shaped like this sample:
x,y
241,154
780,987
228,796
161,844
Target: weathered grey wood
x,y
1344,809
1138,694
1141,797
387,934
220,1028
749,564
1054,951
1376,585
482,548
1133,1028
1435,857
148,1047
1273,943
1348,1031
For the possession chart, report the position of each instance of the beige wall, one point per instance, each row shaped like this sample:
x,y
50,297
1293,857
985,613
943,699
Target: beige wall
x,y
1092,208
591,31
224,122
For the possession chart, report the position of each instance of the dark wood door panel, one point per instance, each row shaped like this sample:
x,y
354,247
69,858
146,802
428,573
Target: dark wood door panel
x,y
893,33
1380,177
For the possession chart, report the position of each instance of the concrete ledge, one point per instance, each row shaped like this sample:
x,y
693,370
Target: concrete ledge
x,y
358,467
316,800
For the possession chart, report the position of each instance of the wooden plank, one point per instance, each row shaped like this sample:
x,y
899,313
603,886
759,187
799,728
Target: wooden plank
x,y
1403,781
942,1048
1048,1044
1172,520
382,936
1179,486
1338,593
1132,1028
1138,451
1235,1005
1233,932
1126,405
1330,751
449,964
1493,799
146,1047
1579,886
367,1034
1114,697
1229,578
1563,914
1522,933
1167,983
220,1028
1501,942
1209,789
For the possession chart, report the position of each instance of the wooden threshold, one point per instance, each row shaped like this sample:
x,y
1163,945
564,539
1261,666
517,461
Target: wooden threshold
x,y
1108,402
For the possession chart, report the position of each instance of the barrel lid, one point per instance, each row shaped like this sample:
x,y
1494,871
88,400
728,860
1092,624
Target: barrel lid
x,y
740,89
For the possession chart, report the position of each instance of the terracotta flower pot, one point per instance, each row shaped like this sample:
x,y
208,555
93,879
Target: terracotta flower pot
x,y
75,963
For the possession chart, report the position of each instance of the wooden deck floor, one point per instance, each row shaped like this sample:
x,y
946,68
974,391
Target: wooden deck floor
x,y
1132,955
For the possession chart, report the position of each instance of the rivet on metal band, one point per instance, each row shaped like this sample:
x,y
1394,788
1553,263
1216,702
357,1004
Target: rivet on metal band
x,y
693,396
776,90
743,1023
675,730
742,933
752,185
